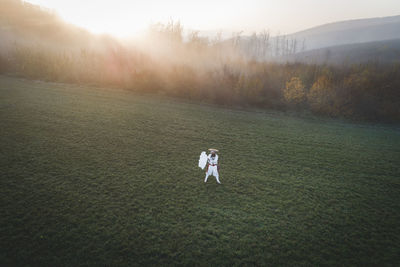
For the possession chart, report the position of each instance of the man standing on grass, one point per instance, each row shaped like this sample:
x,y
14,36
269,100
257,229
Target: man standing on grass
x,y
213,167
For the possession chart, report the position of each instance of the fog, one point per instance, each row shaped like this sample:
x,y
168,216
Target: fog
x,y
256,70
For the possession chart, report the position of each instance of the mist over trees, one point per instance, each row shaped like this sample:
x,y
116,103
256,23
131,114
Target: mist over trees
x,y
240,71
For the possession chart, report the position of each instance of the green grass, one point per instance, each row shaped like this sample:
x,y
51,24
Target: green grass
x,y
93,176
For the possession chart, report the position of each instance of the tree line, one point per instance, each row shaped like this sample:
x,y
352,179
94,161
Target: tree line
x,y
232,72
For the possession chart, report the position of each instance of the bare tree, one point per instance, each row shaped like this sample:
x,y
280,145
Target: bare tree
x,y
294,46
236,37
303,45
253,46
264,43
277,45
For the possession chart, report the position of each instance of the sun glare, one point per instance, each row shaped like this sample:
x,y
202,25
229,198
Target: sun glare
x,y
126,18
115,25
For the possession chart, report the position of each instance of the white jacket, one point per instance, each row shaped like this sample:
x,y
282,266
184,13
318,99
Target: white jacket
x,y
211,160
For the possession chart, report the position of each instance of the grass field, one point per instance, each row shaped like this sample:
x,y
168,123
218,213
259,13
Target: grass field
x,y
93,176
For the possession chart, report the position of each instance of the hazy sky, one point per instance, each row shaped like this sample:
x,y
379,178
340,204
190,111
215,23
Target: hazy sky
x,y
125,17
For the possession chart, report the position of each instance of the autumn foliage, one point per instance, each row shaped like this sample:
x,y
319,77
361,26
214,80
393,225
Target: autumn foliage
x,y
211,70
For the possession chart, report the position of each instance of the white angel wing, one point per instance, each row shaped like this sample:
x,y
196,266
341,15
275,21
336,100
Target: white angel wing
x,y
203,160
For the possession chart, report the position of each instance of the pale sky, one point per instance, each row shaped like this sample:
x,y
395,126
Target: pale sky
x,y
125,18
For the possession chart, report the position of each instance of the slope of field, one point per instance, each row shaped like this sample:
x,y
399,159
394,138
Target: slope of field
x,y
94,176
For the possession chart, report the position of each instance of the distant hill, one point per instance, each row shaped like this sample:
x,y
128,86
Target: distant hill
x,y
353,41
350,32
346,41
387,51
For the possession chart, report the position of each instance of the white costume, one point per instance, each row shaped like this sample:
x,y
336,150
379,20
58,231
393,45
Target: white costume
x,y
212,167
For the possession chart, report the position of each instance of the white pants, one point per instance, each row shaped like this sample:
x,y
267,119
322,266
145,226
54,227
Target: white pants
x,y
212,170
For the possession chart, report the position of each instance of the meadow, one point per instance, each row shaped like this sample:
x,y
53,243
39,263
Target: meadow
x,y
100,176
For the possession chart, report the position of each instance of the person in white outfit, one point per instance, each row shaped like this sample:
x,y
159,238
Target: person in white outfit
x,y
213,167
